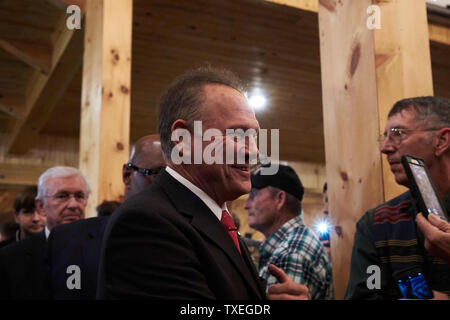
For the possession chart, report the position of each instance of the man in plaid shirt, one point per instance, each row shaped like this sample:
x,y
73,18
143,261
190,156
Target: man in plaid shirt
x,y
274,208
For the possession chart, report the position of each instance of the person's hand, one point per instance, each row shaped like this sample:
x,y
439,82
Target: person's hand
x,y
286,289
440,295
437,235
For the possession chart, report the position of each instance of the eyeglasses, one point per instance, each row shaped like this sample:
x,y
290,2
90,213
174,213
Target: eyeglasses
x,y
64,196
147,172
397,135
240,134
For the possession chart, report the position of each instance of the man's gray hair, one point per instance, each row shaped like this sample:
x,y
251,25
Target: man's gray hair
x,y
432,110
58,172
182,99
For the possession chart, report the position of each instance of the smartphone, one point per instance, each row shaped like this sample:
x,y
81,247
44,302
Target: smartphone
x,y
422,187
415,287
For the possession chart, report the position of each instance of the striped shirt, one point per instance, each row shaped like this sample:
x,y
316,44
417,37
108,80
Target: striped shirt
x,y
298,251
387,236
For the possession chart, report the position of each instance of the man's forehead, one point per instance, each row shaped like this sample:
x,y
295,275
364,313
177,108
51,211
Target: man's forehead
x,y
402,119
150,160
68,183
221,94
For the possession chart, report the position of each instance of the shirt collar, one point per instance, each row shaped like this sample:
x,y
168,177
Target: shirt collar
x,y
47,232
272,242
207,200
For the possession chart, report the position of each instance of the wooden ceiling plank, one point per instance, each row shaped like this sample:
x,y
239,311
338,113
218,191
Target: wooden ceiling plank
x,y
308,5
26,131
18,174
13,105
63,4
32,54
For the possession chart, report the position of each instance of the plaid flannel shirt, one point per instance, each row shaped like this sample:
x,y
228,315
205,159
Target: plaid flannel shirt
x,y
298,251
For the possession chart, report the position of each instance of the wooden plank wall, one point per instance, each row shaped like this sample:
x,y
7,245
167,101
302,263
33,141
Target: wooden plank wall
x,y
48,151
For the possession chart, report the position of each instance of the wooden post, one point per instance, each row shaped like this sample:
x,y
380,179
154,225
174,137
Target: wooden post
x,y
403,64
105,110
363,73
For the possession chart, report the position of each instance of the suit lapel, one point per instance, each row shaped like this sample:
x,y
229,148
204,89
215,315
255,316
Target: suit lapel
x,y
207,224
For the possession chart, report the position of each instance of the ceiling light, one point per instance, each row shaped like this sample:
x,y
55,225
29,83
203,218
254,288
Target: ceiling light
x,y
257,101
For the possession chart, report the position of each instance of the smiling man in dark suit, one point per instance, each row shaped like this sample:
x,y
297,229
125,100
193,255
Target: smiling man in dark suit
x,y
175,240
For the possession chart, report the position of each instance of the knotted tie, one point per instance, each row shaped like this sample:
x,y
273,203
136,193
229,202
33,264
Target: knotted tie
x,y
228,223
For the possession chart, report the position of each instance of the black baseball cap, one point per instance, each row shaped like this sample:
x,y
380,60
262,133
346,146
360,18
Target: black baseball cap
x,y
285,179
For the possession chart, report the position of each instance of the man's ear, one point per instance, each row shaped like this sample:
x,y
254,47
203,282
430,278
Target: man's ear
x,y
281,199
126,174
182,137
40,207
442,142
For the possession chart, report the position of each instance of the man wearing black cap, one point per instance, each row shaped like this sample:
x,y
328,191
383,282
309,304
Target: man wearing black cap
x,y
274,208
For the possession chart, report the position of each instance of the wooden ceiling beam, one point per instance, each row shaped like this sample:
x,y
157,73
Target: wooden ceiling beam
x,y
13,105
32,54
42,57
439,33
45,60
45,90
44,96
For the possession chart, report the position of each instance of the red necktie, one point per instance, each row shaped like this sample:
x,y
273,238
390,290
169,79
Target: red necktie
x,y
228,223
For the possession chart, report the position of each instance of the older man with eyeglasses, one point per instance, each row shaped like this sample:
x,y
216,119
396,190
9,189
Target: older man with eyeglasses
x,y
387,236
61,198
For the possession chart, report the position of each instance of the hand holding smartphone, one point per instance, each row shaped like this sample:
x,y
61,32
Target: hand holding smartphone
x,y
422,187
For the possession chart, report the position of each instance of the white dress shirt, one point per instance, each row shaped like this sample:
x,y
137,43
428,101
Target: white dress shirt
x,y
210,203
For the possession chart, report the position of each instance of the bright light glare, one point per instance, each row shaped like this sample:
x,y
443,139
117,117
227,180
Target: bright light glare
x,y
257,101
323,227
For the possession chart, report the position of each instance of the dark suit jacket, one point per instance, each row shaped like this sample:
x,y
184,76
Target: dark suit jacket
x,y
23,273
165,243
77,243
